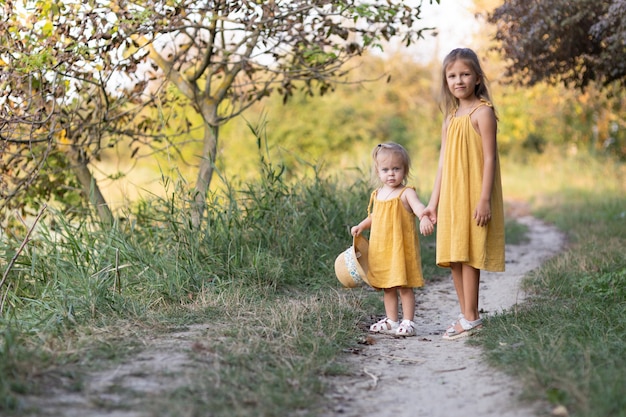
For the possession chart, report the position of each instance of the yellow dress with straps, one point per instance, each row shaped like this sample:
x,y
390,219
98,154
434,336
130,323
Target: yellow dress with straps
x,y
394,253
459,239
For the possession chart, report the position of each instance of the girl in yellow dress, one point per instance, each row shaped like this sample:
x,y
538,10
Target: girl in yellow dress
x,y
394,254
466,202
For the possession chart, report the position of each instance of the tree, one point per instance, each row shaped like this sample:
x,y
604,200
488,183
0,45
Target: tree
x,y
224,56
52,108
62,100
220,55
574,42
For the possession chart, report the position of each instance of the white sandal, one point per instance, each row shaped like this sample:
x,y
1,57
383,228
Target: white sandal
x,y
453,324
385,326
467,329
406,328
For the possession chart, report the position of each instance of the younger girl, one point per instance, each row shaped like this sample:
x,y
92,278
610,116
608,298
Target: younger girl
x,y
466,201
394,254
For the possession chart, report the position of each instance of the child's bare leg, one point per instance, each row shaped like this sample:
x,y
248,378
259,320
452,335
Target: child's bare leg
x,y
407,297
471,281
457,278
390,298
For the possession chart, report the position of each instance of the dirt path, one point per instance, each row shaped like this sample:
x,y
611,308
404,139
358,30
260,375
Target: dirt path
x,y
417,376
428,376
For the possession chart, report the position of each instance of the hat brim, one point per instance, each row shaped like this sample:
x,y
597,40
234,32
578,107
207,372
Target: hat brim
x,y
351,265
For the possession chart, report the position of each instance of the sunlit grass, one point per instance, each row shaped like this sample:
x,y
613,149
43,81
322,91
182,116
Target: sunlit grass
x,y
548,174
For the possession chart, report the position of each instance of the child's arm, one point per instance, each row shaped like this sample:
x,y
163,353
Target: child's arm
x,y
364,225
418,208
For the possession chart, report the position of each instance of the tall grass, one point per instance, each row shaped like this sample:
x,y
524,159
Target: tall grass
x,y
259,271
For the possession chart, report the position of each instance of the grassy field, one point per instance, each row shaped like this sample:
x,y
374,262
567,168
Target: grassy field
x,y
260,273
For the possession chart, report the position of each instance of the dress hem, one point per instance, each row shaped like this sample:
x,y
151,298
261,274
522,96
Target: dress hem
x,y
482,267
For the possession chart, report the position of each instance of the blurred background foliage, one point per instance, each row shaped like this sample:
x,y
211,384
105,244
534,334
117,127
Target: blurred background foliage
x,y
389,95
537,124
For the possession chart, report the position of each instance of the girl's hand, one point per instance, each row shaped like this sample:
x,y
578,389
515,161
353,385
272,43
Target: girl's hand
x,y
431,214
426,226
482,214
359,228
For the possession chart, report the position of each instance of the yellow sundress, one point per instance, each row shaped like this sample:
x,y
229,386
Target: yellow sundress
x,y
394,253
459,239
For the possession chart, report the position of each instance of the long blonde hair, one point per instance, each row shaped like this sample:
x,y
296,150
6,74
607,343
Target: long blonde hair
x,y
449,103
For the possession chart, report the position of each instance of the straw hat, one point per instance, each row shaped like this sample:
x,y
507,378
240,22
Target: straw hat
x,y
351,264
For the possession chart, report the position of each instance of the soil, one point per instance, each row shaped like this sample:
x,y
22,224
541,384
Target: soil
x,y
395,377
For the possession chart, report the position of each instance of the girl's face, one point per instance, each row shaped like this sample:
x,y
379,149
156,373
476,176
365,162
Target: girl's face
x,y
390,169
462,79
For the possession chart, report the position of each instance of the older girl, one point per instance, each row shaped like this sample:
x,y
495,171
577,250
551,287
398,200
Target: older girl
x,y
467,201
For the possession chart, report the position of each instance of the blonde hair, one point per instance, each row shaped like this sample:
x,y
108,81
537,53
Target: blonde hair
x,y
392,149
481,90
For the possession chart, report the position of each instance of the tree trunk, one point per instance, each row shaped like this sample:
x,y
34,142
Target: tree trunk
x,y
205,173
90,188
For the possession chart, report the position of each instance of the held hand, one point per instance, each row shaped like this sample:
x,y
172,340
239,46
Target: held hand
x,y
426,226
482,214
431,213
355,231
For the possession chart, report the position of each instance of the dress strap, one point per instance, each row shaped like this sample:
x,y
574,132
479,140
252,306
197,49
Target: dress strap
x,y
483,102
370,206
371,203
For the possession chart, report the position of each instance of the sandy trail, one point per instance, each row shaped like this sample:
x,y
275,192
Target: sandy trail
x,y
428,376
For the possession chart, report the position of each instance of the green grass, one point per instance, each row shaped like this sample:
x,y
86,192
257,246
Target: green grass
x,y
259,273
515,232
568,343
